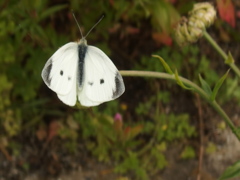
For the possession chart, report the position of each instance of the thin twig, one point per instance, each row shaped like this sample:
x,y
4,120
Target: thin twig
x,y
221,52
201,125
5,152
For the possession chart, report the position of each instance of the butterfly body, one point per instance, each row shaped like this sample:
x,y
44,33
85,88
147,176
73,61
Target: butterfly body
x,y
77,70
82,48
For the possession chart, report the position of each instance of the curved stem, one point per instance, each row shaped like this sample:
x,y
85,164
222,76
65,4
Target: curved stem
x,y
221,52
195,87
165,76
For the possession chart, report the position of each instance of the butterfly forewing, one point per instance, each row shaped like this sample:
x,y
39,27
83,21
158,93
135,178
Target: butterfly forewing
x,y
59,73
102,81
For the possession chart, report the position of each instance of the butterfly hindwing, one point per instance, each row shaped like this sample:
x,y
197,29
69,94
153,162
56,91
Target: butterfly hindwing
x,y
102,81
69,99
59,73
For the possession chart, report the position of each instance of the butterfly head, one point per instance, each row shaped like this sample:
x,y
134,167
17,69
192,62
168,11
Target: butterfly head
x,y
83,41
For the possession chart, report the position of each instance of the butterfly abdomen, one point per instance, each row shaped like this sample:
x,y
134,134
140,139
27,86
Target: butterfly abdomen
x,y
82,49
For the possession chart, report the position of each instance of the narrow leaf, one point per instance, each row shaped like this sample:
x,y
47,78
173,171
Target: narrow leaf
x,y
231,171
179,82
165,65
51,10
218,85
229,59
205,86
40,31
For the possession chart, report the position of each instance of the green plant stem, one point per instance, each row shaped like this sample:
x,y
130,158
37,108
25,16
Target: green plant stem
x,y
186,82
221,52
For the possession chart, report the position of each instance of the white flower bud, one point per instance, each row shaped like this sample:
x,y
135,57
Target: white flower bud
x,y
191,29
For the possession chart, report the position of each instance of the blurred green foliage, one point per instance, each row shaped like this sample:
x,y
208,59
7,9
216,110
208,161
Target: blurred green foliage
x,y
31,31
231,172
188,153
138,148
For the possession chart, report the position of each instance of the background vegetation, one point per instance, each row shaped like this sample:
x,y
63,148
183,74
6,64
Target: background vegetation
x,y
136,134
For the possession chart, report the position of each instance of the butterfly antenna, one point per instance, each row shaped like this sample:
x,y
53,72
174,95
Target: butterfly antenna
x,y
94,25
77,24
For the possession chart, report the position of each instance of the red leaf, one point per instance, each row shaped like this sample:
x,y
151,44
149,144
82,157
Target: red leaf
x,y
172,1
226,11
132,30
53,130
111,2
162,38
41,133
238,14
127,130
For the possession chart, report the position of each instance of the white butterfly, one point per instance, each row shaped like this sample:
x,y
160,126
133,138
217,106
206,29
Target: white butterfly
x,y
77,70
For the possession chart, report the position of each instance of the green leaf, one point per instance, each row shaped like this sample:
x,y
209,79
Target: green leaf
x,y
165,65
50,11
188,153
205,86
163,15
179,82
229,59
40,31
134,131
218,85
231,171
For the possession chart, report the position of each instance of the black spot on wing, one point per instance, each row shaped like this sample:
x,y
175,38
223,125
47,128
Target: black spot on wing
x,y
119,86
90,83
82,49
47,73
101,81
61,72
